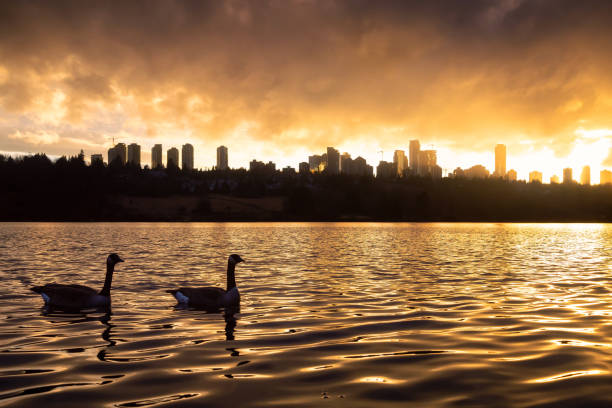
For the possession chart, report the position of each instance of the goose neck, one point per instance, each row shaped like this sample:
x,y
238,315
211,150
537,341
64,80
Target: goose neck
x,y
231,279
108,280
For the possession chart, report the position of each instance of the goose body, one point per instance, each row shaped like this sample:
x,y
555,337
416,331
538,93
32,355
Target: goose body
x,y
79,296
211,297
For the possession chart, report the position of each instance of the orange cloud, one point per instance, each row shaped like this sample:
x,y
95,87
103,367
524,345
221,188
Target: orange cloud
x,y
285,78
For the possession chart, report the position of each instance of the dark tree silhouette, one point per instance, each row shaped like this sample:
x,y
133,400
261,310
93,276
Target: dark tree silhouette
x,y
36,188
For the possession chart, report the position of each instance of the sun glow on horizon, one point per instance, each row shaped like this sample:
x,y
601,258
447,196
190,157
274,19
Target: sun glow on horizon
x,y
590,147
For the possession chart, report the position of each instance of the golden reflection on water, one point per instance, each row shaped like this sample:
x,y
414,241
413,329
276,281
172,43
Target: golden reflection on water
x,y
379,380
566,376
356,314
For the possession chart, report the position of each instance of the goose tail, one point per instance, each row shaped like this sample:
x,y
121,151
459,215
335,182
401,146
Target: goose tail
x,y
172,291
36,289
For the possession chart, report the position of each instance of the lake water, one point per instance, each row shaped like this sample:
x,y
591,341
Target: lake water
x,y
339,315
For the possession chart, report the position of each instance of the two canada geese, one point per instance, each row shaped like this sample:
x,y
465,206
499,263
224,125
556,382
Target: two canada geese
x,y
83,297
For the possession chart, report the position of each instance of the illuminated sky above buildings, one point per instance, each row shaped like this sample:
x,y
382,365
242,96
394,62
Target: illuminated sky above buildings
x,y
279,80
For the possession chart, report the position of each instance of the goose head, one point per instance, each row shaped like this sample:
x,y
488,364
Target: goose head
x,y
113,259
235,259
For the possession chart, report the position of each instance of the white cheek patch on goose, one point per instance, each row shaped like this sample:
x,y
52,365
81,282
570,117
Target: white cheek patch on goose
x,y
181,298
45,297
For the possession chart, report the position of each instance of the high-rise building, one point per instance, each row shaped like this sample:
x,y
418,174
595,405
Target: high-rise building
x,y
118,151
385,170
133,154
172,157
222,158
535,177
567,175
156,156
400,161
554,179
256,165
605,177
121,150
314,162
414,149
360,167
345,163
187,157
97,158
111,155
427,162
512,175
585,176
500,160
304,168
333,161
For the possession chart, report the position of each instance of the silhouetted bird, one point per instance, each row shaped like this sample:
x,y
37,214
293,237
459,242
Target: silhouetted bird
x,y
79,296
211,297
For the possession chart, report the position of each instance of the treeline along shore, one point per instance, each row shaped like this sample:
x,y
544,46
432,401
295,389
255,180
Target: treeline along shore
x,y
35,188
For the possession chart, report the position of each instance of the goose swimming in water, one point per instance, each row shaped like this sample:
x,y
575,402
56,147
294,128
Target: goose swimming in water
x,y
211,297
79,296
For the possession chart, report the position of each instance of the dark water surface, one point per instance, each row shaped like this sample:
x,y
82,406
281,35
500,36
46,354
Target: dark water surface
x,y
339,315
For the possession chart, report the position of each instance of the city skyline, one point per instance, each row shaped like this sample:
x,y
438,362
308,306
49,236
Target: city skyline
x,y
522,165
423,163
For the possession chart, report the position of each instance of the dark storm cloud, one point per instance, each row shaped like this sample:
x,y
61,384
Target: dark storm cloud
x,y
468,73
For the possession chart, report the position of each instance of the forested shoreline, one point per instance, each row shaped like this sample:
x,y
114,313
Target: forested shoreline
x,y
35,188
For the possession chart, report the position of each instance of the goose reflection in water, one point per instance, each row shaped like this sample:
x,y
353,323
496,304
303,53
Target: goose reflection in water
x,y
82,317
230,322
229,315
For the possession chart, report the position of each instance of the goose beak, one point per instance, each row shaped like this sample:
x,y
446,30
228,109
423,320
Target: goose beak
x,y
119,260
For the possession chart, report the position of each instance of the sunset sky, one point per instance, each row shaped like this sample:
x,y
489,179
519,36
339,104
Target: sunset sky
x,y
279,80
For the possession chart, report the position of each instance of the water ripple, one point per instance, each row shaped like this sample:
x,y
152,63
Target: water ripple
x,y
350,315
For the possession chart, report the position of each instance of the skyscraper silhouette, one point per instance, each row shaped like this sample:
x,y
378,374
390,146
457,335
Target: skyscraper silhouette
x,y
134,154
172,157
427,162
567,175
314,162
400,161
415,148
333,161
304,168
187,157
222,158
345,163
156,156
500,161
117,151
585,176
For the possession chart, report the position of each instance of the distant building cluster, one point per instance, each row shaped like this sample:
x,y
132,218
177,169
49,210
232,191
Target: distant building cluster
x,y
334,163
417,162
479,171
131,155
